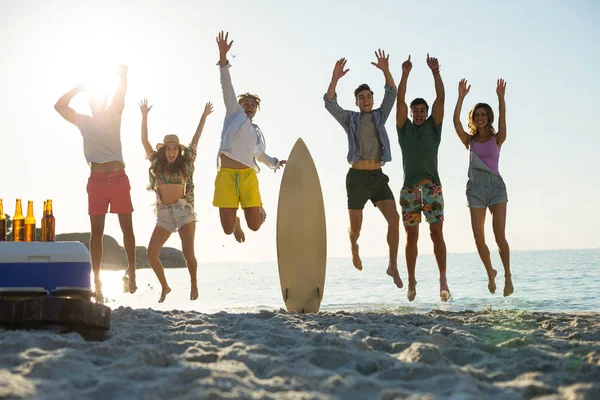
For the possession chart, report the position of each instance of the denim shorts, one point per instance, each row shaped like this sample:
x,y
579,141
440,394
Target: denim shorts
x,y
485,189
173,216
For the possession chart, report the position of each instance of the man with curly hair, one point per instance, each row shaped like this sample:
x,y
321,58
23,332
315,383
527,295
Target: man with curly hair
x,y
242,145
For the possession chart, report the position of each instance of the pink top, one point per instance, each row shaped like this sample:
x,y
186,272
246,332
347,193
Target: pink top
x,y
488,152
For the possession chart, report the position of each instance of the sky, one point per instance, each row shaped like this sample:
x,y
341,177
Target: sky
x,y
547,51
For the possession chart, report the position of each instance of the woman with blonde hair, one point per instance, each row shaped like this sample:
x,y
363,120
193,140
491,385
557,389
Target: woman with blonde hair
x,y
171,171
485,187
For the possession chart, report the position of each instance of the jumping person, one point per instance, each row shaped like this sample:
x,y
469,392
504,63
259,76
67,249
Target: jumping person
x,y
368,150
108,184
422,190
485,187
242,145
171,177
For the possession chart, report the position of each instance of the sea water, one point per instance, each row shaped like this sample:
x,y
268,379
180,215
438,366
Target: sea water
x,y
556,280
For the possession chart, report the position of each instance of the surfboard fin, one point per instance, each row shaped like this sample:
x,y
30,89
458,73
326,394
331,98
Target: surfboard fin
x,y
286,295
318,293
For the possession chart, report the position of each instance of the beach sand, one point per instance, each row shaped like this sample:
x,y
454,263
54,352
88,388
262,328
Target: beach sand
x,y
275,354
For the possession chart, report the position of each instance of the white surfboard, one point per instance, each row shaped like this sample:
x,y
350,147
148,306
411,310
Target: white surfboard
x,y
301,233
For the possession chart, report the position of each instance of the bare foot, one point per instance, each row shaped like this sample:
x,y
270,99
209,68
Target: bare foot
x,y
238,233
412,290
444,291
131,281
99,295
393,272
355,257
508,285
492,281
263,215
194,291
164,294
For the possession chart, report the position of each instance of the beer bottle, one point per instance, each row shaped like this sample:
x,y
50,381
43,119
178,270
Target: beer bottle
x,y
43,222
2,223
50,223
18,221
30,223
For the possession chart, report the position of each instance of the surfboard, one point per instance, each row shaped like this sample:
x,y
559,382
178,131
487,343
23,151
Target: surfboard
x,y
301,233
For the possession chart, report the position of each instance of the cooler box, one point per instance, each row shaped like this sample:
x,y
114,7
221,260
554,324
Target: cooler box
x,y
44,264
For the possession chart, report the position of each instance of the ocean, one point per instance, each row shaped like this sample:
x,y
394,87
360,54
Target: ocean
x,y
554,280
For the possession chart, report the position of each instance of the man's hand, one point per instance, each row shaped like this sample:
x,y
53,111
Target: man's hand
x,y
501,88
222,42
280,164
144,107
463,89
433,63
122,70
208,109
338,70
406,66
382,60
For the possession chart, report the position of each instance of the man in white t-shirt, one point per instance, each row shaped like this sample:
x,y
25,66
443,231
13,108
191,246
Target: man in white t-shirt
x,y
242,145
108,184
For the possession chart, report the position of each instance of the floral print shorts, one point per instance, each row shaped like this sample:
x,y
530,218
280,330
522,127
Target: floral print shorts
x,y
427,198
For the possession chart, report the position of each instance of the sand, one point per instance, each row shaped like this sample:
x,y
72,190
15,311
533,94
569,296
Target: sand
x,y
279,355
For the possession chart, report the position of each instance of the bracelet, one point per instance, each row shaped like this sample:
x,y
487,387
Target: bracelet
x,y
436,71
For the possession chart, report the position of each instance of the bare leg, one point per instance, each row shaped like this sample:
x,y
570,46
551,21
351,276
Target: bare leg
x,y
389,211
356,218
439,250
255,216
126,223
96,250
231,224
157,241
478,225
411,252
499,224
186,233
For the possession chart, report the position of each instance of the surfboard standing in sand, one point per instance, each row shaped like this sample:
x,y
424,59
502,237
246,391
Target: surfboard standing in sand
x,y
242,145
485,187
301,233
368,150
108,183
422,190
171,177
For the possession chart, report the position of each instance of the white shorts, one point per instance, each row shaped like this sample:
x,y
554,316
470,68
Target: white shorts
x,y
173,216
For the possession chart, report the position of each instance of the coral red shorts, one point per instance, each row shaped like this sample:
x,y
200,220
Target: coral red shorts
x,y
109,188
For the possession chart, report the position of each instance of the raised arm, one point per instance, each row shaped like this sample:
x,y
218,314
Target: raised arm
x,y
118,101
62,105
145,110
437,110
387,103
500,90
208,109
463,90
229,97
331,103
338,73
401,107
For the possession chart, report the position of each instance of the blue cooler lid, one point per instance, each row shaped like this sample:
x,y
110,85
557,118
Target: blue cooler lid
x,y
43,252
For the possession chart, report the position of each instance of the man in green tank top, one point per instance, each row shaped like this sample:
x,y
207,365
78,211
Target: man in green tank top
x,y
422,190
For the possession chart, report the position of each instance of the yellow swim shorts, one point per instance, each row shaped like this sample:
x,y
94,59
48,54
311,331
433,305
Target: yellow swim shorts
x,y
236,186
